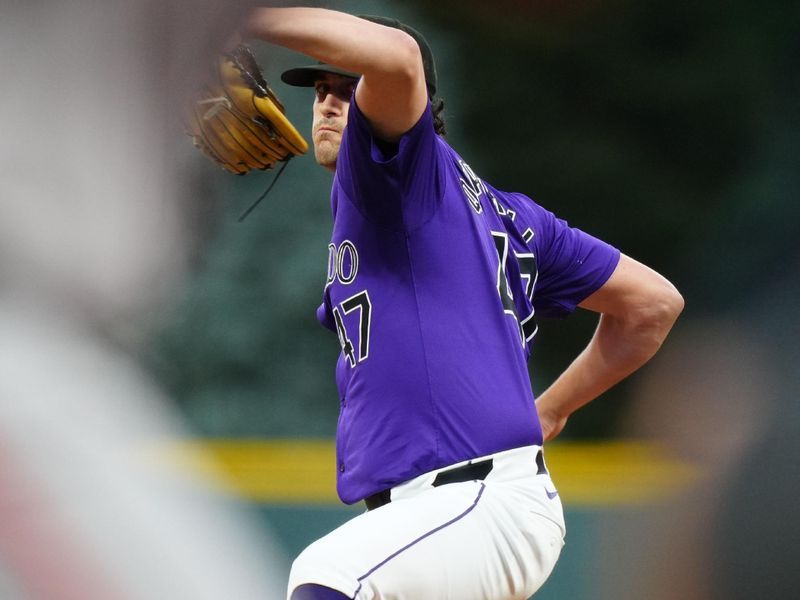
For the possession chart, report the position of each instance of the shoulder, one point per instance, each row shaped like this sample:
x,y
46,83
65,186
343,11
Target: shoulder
x,y
392,183
359,129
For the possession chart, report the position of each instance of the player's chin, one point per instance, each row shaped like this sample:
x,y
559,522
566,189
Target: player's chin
x,y
326,153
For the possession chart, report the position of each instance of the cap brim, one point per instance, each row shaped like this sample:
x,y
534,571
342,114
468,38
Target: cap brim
x,y
308,76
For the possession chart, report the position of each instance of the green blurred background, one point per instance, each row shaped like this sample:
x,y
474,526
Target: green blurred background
x,y
670,129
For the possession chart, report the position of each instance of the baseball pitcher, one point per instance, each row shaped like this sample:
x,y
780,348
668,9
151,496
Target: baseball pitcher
x,y
435,281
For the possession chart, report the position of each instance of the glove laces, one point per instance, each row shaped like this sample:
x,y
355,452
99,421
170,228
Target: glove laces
x,y
250,209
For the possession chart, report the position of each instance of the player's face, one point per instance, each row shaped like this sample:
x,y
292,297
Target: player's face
x,y
331,103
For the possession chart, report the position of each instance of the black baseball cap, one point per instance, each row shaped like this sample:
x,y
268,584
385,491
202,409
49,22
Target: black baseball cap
x,y
306,76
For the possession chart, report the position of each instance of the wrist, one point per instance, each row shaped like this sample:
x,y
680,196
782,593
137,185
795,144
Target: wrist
x,y
258,23
546,408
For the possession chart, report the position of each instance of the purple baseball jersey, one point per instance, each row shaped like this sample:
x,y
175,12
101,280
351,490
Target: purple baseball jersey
x,y
434,279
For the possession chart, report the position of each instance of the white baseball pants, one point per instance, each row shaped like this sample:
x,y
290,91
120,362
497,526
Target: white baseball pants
x,y
496,539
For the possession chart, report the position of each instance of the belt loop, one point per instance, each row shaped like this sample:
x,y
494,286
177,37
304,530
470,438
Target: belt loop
x,y
378,500
541,469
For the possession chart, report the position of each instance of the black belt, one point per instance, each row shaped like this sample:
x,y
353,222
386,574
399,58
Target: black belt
x,y
473,471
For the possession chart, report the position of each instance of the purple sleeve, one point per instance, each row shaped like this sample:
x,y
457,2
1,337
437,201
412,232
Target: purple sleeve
x,y
572,265
397,185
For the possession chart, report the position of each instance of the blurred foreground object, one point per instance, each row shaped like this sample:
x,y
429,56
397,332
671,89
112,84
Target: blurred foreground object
x,y
86,508
716,398
93,241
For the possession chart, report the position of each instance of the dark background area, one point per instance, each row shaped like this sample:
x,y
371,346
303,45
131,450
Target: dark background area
x,y
669,129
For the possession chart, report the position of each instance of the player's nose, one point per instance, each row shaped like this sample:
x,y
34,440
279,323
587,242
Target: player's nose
x,y
330,106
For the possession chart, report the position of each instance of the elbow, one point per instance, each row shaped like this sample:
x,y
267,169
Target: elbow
x,y
651,318
660,311
670,304
675,304
407,55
